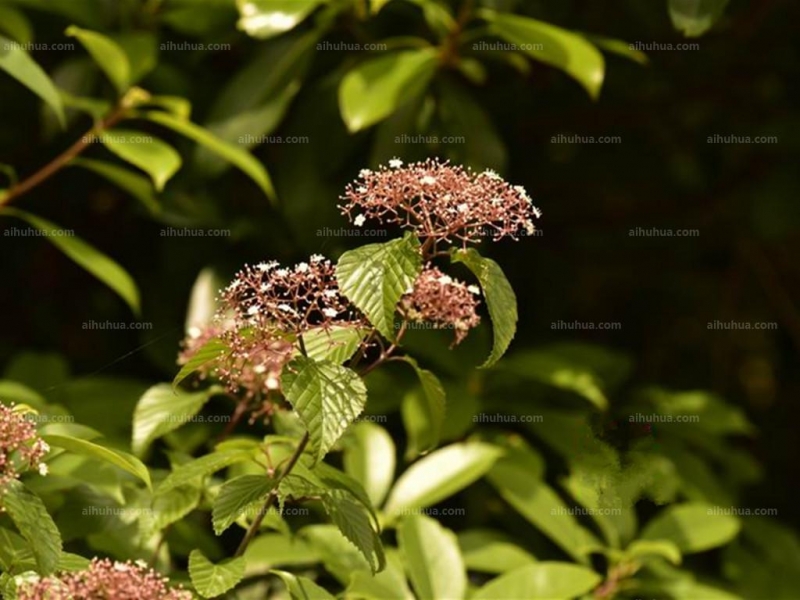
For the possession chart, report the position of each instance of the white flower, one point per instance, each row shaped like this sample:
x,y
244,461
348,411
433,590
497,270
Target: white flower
x,y
253,310
302,267
264,267
273,383
45,447
497,201
329,312
529,228
428,180
330,293
395,163
122,567
445,280
285,308
359,220
364,173
141,564
282,272
537,212
264,287
315,258
43,470
491,174
474,289
361,189
463,207
259,369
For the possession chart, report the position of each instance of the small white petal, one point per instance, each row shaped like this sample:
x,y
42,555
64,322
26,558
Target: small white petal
x,y
359,220
474,289
428,180
395,163
463,207
302,267
329,312
43,469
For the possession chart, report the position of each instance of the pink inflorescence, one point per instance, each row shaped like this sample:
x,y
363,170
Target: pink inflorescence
x,y
262,313
443,301
440,202
104,580
20,446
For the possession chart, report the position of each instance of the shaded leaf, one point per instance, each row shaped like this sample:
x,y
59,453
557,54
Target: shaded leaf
x,y
30,515
153,156
435,565
211,580
111,59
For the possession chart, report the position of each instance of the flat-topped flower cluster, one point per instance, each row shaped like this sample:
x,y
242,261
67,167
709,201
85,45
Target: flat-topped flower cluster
x,y
21,448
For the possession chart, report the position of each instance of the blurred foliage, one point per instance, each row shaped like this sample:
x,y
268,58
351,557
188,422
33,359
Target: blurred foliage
x,y
338,85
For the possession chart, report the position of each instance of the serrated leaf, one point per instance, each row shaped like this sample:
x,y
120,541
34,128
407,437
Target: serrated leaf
x,y
375,276
233,154
377,87
369,458
137,186
692,527
431,552
30,515
554,46
500,299
153,156
236,496
423,414
302,588
123,460
694,17
211,580
326,396
88,257
353,520
541,581
111,59
17,63
162,409
439,475
389,584
200,467
336,345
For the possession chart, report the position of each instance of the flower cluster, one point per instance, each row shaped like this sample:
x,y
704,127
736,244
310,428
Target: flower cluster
x,y
104,580
20,446
262,312
440,202
288,301
443,301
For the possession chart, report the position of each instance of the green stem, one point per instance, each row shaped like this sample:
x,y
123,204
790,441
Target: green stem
x,y
271,498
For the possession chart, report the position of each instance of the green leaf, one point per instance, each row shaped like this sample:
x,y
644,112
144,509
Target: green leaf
x,y
554,46
302,588
30,515
240,158
73,562
375,276
352,519
211,580
212,350
326,396
491,551
435,565
540,505
339,556
694,17
14,23
654,548
169,508
236,496
618,47
267,18
500,299
120,459
377,87
369,458
111,59
424,413
336,345
271,550
137,186
389,584
439,475
17,63
692,527
163,409
153,156
88,257
544,580
200,467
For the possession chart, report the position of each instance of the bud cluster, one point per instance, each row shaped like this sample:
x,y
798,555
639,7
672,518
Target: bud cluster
x,y
20,446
